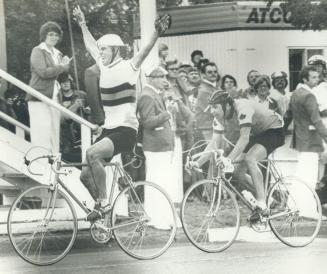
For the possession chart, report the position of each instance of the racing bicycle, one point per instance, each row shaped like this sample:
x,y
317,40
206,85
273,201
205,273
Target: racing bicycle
x,y
210,212
43,224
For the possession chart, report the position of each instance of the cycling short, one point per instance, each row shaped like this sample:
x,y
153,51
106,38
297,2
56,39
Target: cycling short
x,y
123,138
269,139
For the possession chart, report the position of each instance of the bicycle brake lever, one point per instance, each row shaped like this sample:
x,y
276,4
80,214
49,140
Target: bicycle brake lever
x,y
26,162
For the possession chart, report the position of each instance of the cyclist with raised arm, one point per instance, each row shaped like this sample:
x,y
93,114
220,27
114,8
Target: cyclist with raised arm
x,y
117,86
261,132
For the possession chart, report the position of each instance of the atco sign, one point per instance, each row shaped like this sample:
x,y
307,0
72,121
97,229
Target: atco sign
x,y
273,15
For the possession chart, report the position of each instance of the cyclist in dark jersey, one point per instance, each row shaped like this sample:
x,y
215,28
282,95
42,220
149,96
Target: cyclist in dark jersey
x,y
261,132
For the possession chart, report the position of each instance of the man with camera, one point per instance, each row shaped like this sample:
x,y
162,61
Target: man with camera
x,y
70,131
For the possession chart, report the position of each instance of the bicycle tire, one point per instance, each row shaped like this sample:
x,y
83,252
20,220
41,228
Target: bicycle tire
x,y
41,231
206,231
299,210
144,233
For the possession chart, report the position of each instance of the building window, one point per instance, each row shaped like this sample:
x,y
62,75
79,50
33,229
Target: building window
x,y
298,57
1,199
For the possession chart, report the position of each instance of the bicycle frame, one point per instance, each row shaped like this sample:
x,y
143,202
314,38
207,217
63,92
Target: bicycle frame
x,y
118,170
271,171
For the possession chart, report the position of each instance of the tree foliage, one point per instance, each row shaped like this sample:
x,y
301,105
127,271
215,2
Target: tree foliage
x,y
306,14
25,17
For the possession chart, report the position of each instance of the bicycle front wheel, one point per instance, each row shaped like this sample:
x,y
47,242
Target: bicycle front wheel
x,y
210,216
42,225
144,220
295,212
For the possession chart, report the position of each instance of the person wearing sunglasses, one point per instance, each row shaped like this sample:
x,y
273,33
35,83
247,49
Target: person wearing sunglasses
x,y
209,84
279,93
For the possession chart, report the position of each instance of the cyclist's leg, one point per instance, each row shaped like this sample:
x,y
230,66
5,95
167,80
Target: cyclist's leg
x,y
240,176
110,143
263,145
88,182
95,156
256,154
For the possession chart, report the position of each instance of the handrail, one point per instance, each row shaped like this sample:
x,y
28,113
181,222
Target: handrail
x,y
45,99
14,122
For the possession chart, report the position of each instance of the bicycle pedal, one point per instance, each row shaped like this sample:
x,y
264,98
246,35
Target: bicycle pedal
x,y
254,218
260,227
93,216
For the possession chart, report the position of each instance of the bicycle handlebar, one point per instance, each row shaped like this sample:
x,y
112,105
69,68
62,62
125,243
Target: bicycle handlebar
x,y
218,153
51,160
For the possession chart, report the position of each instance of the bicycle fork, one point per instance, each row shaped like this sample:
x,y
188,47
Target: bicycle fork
x,y
214,208
49,210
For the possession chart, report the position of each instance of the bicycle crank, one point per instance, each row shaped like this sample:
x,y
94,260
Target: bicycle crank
x,y
100,233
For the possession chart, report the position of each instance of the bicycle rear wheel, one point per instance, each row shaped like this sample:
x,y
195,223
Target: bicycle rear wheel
x,y
42,226
295,212
144,220
210,216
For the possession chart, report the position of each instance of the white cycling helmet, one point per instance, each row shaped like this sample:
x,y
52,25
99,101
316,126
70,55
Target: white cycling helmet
x,y
112,40
317,59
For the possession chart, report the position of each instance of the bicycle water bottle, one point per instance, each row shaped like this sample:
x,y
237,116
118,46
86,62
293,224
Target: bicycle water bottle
x,y
250,198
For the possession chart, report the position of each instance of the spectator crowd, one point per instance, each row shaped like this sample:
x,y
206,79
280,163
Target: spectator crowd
x,y
172,109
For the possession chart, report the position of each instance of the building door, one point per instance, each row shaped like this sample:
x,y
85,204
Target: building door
x,y
298,57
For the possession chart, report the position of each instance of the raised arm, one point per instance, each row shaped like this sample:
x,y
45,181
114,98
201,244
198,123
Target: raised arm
x,y
89,41
161,25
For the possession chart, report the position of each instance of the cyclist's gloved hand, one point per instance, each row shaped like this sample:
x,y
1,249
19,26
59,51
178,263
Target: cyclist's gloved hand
x,y
226,164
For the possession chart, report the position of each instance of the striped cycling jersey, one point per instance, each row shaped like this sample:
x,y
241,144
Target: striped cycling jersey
x,y
117,87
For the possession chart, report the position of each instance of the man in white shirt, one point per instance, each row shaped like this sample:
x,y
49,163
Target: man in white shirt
x,y
117,87
320,91
279,93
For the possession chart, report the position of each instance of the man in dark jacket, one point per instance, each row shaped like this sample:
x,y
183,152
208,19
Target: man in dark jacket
x,y
309,131
158,137
203,118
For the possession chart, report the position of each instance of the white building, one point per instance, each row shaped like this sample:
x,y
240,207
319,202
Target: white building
x,y
240,36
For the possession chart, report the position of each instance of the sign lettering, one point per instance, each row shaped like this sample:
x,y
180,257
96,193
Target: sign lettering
x,y
268,15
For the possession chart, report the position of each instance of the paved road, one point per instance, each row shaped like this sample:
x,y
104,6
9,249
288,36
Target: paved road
x,y
242,257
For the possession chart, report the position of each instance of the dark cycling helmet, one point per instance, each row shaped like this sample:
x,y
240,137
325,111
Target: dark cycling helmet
x,y
222,98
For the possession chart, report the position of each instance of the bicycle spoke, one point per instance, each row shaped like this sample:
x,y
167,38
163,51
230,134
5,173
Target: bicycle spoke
x,y
204,222
131,239
41,242
144,239
296,212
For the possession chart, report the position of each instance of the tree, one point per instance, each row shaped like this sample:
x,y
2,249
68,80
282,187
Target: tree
x,y
306,14
24,18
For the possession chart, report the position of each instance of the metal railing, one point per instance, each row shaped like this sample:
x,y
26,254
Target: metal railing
x,y
86,126
20,128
